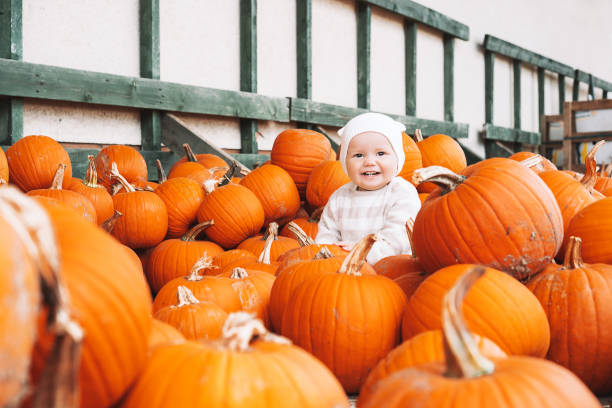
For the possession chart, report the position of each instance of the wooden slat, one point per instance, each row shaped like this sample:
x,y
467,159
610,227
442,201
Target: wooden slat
x,y
600,83
364,25
332,115
541,95
150,123
449,78
23,79
576,86
489,86
425,16
248,69
561,87
410,45
516,66
510,50
11,47
304,48
503,134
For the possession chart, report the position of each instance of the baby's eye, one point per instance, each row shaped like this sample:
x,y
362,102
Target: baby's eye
x,y
381,153
358,155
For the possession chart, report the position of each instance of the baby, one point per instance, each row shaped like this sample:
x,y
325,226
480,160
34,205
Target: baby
x,y
376,200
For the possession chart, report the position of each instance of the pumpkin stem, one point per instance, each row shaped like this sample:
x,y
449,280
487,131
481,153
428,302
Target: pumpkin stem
x,y
244,171
409,231
463,359
573,254
357,257
316,215
590,174
439,175
59,383
227,177
161,173
202,263
91,177
189,153
209,185
195,231
115,174
185,297
58,178
300,234
109,224
271,230
264,256
2,181
533,161
323,253
241,329
239,273
418,136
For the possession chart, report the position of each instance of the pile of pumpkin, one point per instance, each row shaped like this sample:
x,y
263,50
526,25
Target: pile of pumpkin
x,y
117,291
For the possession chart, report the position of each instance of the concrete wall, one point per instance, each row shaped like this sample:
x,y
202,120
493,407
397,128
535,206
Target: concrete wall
x,y
199,45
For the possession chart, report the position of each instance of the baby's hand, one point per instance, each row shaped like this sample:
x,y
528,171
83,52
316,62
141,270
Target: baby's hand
x,y
347,246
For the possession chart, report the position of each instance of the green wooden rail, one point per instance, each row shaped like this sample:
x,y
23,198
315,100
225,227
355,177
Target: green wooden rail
x,y
154,98
515,137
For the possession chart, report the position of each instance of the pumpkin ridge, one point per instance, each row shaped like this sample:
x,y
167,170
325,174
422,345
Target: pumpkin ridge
x,y
595,312
287,371
447,208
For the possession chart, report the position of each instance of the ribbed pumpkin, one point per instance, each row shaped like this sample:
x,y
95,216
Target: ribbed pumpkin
x,y
298,151
593,225
276,192
325,178
361,314
426,347
205,159
94,192
33,161
183,198
74,200
196,320
498,307
476,218
309,224
20,299
469,379
4,169
145,219
279,244
113,301
174,257
577,299
236,212
543,164
129,161
439,150
307,250
163,333
412,157
227,258
195,171
248,367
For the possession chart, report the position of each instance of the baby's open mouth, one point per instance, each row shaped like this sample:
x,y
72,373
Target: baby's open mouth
x,y
370,173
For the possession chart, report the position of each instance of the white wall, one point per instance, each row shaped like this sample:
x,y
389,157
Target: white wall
x,y
199,45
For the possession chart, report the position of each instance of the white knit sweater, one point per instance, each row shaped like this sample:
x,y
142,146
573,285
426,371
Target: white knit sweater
x,y
351,214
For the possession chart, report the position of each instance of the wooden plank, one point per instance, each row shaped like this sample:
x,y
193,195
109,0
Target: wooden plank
x,y
11,47
175,133
449,78
591,89
561,87
492,132
496,148
499,46
304,48
600,83
516,66
575,88
333,115
364,25
410,45
150,123
541,95
489,86
425,16
23,79
248,69
588,105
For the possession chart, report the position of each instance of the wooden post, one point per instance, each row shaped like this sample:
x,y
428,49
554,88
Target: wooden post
x,y
410,45
11,47
150,120
364,20
449,79
248,69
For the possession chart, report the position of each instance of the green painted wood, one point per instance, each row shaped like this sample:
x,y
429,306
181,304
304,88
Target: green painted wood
x,y
591,89
600,83
541,97
410,51
489,63
576,86
561,87
251,160
604,94
425,16
516,68
150,123
492,132
248,69
494,148
449,78
11,47
364,22
23,79
470,155
510,50
304,48
307,111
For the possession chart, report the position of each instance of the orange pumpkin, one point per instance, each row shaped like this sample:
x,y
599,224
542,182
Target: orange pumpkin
x,y
163,333
593,225
205,159
412,157
309,224
543,164
439,150
279,244
476,218
298,151
183,198
325,178
227,258
33,160
249,366
4,169
94,192
129,161
468,379
498,307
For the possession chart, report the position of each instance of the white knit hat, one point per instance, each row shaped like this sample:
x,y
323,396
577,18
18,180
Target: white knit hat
x,y
373,122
